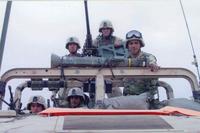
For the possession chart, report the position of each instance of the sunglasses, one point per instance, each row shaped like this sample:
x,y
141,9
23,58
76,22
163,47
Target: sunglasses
x,y
133,33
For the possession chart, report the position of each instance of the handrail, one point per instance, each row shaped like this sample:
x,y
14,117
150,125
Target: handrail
x,y
100,74
119,72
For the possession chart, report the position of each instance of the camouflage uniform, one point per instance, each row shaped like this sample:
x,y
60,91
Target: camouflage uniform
x,y
137,86
108,40
101,40
75,55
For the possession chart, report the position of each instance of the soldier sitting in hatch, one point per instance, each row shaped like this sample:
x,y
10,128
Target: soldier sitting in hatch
x,y
138,92
76,98
36,104
73,45
132,86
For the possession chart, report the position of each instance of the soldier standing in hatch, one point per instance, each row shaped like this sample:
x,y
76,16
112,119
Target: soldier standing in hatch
x,y
36,104
134,43
106,38
106,35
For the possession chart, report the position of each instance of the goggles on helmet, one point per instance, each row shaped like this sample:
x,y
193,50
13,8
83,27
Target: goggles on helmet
x,y
133,33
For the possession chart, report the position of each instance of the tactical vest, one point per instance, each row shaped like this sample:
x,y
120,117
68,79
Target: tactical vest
x,y
103,41
75,55
134,86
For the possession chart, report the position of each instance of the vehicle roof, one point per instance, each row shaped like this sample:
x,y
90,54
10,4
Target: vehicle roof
x,y
101,123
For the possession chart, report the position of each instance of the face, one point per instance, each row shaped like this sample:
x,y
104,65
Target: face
x,y
72,47
75,101
36,108
106,32
134,47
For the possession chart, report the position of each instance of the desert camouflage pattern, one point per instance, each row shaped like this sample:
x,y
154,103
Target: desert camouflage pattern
x,y
73,55
102,41
138,86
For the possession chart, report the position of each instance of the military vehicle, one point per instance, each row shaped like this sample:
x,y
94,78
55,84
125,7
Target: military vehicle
x,y
97,73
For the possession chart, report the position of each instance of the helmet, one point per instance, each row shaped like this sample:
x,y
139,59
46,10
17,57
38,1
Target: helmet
x,y
72,40
134,35
36,99
75,92
106,24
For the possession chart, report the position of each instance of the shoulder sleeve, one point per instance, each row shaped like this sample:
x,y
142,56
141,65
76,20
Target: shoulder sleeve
x,y
118,41
151,59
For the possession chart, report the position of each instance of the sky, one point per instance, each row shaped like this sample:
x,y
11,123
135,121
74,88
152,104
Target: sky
x,y
39,28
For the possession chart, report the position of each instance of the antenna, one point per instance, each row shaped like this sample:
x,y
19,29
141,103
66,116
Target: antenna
x,y
4,30
195,62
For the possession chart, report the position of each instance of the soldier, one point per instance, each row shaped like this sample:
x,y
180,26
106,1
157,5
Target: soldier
x,y
105,37
76,98
134,43
73,46
36,104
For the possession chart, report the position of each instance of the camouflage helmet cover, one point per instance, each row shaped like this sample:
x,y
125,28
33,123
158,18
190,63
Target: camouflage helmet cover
x,y
36,99
106,24
72,40
75,92
134,35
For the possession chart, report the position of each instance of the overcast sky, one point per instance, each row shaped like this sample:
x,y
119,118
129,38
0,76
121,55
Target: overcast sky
x,y
37,29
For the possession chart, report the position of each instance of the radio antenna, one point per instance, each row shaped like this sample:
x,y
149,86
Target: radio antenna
x,y
195,62
4,30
